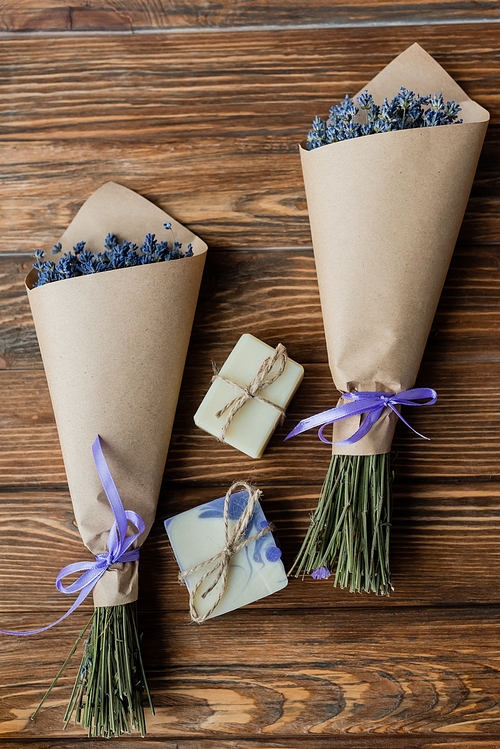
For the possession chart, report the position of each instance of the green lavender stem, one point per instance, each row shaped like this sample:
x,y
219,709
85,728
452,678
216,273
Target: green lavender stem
x,y
107,697
350,528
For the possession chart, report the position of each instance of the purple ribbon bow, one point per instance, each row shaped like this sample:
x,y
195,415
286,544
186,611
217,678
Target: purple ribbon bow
x,y
118,545
370,403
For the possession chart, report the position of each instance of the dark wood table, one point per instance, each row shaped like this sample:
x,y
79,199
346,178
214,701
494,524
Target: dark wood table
x,y
200,109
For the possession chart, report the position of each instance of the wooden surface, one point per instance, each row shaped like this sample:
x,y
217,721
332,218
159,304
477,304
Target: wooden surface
x,y
200,108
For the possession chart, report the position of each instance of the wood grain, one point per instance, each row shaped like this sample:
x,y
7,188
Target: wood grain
x,y
206,125
344,741
461,361
274,296
463,430
126,16
322,674
211,135
249,193
444,550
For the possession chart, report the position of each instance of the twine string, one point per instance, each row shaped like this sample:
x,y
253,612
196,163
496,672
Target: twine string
x,y
219,564
262,379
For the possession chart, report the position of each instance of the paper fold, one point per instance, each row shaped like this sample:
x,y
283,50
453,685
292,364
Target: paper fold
x,y
113,346
385,211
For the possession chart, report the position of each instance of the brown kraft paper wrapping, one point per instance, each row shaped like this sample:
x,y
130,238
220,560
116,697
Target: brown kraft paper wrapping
x,y
114,346
385,211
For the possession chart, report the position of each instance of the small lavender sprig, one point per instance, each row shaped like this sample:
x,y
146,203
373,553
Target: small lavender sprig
x,y
82,262
407,110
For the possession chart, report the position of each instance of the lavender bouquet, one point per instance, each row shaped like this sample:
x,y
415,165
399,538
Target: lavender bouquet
x,y
113,327
387,181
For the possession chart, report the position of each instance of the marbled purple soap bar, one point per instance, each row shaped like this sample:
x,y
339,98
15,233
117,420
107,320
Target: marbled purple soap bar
x,y
255,571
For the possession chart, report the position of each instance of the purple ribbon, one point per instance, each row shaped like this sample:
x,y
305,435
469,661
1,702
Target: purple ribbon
x,y
118,545
370,403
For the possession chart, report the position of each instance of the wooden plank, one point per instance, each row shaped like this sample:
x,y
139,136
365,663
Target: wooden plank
x,y
136,15
345,741
244,190
462,427
260,80
274,295
212,136
207,125
430,672
18,343
444,550
461,358
463,431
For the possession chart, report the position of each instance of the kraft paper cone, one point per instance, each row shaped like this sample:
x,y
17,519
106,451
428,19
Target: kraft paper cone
x,y
385,211
114,346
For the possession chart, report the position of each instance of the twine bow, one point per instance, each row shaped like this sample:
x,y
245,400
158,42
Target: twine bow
x,y
234,542
261,380
118,545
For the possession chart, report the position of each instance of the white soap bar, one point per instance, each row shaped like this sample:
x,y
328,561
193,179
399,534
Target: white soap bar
x,y
255,571
253,425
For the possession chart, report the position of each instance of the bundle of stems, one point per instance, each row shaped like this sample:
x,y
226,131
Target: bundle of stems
x,y
107,697
350,527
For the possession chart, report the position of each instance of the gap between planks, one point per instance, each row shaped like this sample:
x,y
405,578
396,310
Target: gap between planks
x,y
253,27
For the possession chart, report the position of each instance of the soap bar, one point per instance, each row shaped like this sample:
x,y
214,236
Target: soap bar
x,y
255,571
253,425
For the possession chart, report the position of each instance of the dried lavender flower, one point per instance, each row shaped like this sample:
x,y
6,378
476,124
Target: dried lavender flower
x,y
116,254
322,573
405,111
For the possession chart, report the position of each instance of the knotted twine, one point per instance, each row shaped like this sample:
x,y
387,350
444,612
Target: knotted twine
x,y
234,542
260,381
